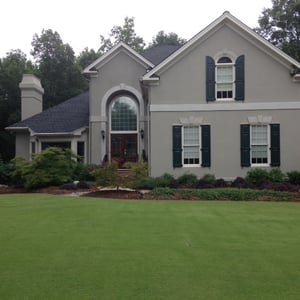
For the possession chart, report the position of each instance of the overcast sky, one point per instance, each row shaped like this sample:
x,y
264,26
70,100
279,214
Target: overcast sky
x,y
80,23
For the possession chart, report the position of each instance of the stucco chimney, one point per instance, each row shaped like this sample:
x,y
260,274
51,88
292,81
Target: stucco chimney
x,y
31,96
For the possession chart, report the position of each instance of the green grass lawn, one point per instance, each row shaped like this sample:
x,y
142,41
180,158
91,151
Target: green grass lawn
x,y
58,247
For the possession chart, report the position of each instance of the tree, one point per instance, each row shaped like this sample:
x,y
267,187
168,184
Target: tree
x,y
12,68
281,26
126,34
86,57
60,75
163,38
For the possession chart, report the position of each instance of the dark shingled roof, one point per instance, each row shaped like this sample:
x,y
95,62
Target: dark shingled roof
x,y
62,118
157,54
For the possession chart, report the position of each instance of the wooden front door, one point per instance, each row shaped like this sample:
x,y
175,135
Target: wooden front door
x,y
124,148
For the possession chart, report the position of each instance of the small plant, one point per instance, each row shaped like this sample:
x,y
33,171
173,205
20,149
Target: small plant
x,y
209,177
139,171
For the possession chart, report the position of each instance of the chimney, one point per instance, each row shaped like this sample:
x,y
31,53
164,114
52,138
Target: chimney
x,y
31,96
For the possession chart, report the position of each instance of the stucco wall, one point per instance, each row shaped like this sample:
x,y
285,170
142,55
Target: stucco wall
x,y
22,144
225,141
267,79
120,73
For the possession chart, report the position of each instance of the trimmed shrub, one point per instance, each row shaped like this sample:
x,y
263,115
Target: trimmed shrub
x,y
276,175
256,175
241,182
294,177
148,183
187,178
220,183
82,171
209,177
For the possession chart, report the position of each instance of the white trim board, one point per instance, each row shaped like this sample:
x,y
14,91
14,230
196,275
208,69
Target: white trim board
x,y
224,106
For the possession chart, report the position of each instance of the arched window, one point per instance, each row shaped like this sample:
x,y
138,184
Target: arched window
x,y
124,114
224,78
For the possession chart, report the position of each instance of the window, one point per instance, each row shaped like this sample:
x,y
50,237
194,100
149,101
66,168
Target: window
x,y
260,145
225,78
124,114
80,151
63,145
191,146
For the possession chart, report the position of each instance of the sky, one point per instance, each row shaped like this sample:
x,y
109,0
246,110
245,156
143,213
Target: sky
x,y
80,23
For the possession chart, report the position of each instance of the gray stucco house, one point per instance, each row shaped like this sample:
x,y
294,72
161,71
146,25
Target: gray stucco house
x,y
222,103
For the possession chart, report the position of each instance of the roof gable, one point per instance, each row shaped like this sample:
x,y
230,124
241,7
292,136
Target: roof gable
x,y
106,57
225,19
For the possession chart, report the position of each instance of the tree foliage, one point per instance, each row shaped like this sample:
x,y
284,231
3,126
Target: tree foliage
x,y
281,26
60,75
12,68
163,38
126,34
86,57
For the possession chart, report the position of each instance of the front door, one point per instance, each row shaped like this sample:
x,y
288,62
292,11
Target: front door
x,y
124,148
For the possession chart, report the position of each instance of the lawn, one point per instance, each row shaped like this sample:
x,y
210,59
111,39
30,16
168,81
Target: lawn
x,y
58,247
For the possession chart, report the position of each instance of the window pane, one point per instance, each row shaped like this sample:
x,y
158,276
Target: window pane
x,y
259,144
124,114
259,134
224,74
191,135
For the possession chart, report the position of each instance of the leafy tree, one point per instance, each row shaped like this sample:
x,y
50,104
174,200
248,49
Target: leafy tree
x,y
126,34
12,68
86,57
60,75
163,38
281,26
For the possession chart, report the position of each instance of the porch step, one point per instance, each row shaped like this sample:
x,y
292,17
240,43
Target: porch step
x,y
124,172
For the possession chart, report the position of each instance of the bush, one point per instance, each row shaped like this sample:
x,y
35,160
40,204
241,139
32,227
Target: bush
x,y
293,177
107,175
139,171
148,183
53,166
256,175
6,170
82,171
240,182
276,175
187,178
209,177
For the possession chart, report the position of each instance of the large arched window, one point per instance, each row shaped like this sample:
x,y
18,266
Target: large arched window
x,y
124,114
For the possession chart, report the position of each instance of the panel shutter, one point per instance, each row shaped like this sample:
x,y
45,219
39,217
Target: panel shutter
x,y
240,78
210,79
177,147
275,145
205,142
245,145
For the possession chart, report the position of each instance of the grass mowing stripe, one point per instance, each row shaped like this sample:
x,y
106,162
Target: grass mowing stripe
x,y
56,247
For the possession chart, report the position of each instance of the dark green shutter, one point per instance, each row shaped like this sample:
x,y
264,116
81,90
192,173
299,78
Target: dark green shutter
x,y
177,147
205,142
240,78
245,145
210,79
275,145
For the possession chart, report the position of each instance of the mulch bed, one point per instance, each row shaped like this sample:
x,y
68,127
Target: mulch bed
x,y
93,191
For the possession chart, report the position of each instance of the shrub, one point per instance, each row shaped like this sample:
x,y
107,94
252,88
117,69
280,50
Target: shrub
x,y
107,175
209,177
220,183
240,182
6,170
139,171
165,180
294,177
53,166
187,178
82,171
148,183
276,175
256,175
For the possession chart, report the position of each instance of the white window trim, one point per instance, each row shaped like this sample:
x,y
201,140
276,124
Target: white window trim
x,y
233,79
182,142
268,146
